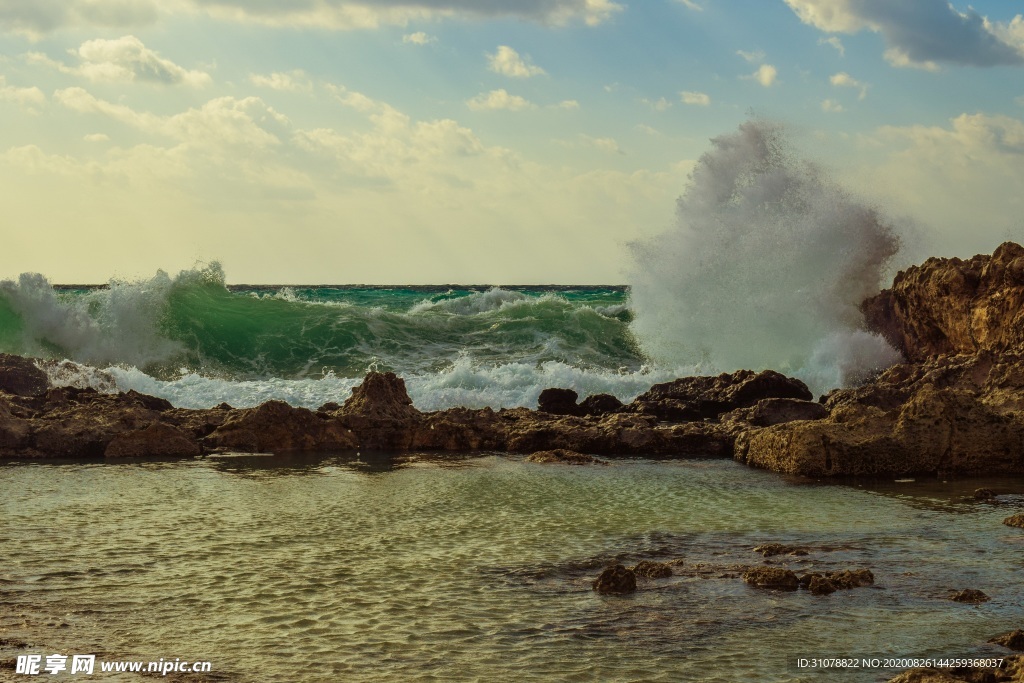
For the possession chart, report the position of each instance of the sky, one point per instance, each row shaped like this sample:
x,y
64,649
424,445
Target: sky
x,y
483,141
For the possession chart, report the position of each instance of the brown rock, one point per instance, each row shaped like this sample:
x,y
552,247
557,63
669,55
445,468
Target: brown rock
x,y
600,404
1016,520
276,427
564,457
558,402
156,440
984,494
773,549
381,395
616,580
773,411
771,577
1013,640
847,578
819,585
1012,671
696,398
971,596
652,570
21,376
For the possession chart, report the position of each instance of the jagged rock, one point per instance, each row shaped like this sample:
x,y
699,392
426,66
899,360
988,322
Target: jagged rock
x,y
558,402
1013,640
1016,520
21,376
156,440
381,395
847,578
820,585
773,411
652,570
771,577
954,306
697,398
615,580
971,596
277,427
600,404
564,457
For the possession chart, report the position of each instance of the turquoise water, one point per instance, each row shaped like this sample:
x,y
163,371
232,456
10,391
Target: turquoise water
x,y
416,568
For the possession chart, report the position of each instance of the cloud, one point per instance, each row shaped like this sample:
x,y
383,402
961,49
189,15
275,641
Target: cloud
x,y
691,5
29,99
418,38
697,98
766,75
753,57
831,106
921,33
660,104
499,99
508,62
290,81
567,104
39,17
96,137
125,59
845,80
834,42
603,144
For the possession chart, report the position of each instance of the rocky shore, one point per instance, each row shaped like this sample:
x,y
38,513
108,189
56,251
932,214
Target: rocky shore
x,y
956,406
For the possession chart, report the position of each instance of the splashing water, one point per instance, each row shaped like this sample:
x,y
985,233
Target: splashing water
x,y
766,268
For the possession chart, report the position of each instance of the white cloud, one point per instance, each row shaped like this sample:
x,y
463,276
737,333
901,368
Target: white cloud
x,y
766,75
290,81
37,17
567,104
499,99
831,106
693,97
96,137
834,42
418,38
603,144
845,80
508,62
753,57
30,98
124,59
660,104
692,5
920,33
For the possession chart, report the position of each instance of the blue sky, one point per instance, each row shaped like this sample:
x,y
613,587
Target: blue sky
x,y
456,141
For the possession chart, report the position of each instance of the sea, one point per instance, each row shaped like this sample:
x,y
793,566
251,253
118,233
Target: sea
x,y
303,568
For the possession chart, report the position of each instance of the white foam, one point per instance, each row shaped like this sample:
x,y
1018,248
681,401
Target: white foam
x,y
766,268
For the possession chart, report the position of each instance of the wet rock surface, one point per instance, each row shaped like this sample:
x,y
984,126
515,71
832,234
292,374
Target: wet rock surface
x,y
1013,640
1011,671
616,580
564,457
971,596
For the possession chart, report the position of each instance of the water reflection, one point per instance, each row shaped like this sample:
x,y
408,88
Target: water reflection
x,y
365,462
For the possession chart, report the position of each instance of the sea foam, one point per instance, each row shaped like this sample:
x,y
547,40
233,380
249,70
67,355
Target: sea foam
x,y
765,268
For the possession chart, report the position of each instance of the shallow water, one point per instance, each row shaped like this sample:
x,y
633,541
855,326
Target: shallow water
x,y
416,568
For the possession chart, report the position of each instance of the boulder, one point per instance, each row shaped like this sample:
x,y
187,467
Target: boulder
x,y
652,570
276,427
698,398
1013,640
615,580
600,404
1016,520
558,402
820,585
21,377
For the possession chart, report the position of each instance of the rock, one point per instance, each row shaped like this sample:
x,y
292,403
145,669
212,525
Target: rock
x,y
771,577
155,440
600,404
381,395
773,549
1016,520
773,411
1011,671
819,585
697,398
1013,640
984,494
847,578
564,457
970,596
954,306
21,376
558,402
652,570
616,580
276,427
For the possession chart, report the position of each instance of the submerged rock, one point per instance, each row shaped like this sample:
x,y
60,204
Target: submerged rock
x,y
1016,520
771,577
564,457
971,596
652,570
773,549
616,580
